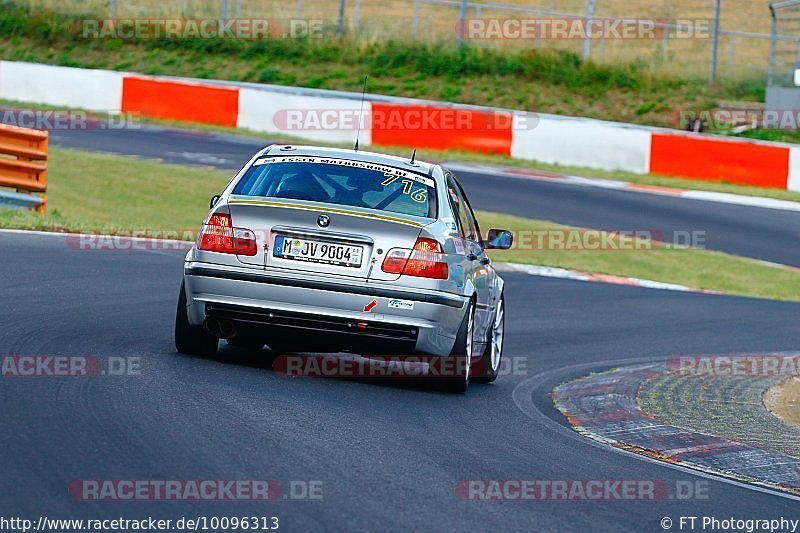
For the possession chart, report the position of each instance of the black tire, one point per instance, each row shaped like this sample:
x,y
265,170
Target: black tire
x,y
484,370
192,340
460,383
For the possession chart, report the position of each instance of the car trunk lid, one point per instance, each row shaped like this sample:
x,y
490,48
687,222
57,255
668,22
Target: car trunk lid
x,y
303,236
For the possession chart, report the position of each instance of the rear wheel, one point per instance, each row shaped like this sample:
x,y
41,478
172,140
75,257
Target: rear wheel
x,y
487,367
462,355
192,340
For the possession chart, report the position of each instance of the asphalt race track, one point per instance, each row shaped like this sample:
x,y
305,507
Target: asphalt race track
x,y
767,234
388,454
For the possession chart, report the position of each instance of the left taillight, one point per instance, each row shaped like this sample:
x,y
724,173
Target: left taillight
x,y
219,235
426,260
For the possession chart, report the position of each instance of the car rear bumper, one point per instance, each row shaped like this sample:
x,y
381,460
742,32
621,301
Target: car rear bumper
x,y
330,312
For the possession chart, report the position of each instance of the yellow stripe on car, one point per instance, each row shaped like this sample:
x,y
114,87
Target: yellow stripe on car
x,y
338,211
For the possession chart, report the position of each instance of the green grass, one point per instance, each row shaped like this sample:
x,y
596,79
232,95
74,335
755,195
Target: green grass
x,y
700,269
786,136
103,193
531,79
113,194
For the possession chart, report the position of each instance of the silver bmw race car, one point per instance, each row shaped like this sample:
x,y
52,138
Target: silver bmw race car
x,y
343,250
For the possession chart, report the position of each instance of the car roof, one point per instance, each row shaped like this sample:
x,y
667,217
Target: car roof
x,y
356,155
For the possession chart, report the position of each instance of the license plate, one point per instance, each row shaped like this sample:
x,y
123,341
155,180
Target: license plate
x,y
317,252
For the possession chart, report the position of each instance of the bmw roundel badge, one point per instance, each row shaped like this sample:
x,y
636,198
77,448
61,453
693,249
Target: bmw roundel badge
x,y
323,221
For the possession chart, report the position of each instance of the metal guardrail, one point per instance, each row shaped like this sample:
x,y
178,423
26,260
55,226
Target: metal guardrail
x,y
23,166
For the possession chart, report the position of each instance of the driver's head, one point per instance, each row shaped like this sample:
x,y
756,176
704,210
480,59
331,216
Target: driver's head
x,y
298,182
364,182
301,186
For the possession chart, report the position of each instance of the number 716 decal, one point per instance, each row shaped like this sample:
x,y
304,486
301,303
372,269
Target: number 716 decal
x,y
419,196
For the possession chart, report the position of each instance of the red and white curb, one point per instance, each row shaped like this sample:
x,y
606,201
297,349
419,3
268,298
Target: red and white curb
x,y
604,407
778,265
707,196
563,273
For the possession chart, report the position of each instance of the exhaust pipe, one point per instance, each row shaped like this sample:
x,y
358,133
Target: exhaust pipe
x,y
226,329
212,326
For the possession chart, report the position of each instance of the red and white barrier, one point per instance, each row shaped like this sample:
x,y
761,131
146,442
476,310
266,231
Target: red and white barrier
x,y
713,158
573,142
180,100
96,90
441,127
332,116
793,181
280,112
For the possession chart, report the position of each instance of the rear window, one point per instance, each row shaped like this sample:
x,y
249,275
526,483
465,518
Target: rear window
x,y
341,182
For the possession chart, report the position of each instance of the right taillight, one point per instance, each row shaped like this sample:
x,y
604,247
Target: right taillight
x,y
426,260
219,235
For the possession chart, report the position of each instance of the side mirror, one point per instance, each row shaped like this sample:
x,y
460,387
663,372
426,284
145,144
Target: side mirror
x,y
499,239
214,200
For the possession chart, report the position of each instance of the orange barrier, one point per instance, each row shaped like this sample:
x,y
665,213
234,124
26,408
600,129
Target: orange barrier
x,y
440,128
734,161
23,160
189,102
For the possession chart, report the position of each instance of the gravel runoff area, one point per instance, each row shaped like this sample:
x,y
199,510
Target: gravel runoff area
x,y
783,400
725,406
712,421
